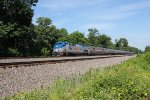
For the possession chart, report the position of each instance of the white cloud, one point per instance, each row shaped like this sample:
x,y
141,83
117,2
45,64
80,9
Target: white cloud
x,y
134,7
123,11
59,5
114,16
126,10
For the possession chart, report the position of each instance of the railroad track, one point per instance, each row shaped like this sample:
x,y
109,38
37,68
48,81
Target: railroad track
x,y
32,63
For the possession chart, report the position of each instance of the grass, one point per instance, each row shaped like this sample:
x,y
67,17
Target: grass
x,y
129,80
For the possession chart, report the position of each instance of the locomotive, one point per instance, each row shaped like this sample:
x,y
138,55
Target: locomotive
x,y
66,49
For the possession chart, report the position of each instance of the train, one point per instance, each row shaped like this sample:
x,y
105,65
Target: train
x,y
68,49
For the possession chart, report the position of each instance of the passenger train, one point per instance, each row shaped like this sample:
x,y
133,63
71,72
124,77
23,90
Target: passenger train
x,y
66,49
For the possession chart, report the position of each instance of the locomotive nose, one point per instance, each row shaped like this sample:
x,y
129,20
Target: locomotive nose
x,y
56,52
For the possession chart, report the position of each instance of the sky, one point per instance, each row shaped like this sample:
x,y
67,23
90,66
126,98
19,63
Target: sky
x,y
128,19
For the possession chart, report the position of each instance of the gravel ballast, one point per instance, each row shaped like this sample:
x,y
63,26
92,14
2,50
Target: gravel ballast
x,y
13,80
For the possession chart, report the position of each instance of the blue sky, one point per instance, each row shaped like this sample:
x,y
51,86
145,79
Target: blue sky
x,y
117,18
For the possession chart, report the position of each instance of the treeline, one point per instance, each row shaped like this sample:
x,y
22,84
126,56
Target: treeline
x,y
19,37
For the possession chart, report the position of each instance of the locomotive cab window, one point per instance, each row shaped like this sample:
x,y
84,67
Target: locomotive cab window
x,y
59,45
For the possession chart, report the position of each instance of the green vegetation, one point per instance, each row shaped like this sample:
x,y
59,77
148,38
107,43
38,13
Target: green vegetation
x,y
147,48
126,81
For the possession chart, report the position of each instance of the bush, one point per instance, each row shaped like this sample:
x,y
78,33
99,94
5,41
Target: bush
x,y
45,52
13,52
147,56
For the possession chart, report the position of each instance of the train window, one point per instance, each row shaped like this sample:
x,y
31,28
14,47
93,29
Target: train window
x,y
85,50
59,45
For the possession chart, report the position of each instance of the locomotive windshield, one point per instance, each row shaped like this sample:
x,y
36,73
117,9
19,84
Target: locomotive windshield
x,y
59,45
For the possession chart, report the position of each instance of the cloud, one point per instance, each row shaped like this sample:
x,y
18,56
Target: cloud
x,y
115,16
109,14
123,11
134,6
59,5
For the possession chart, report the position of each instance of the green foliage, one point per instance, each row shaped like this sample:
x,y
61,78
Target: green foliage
x,y
133,49
13,52
43,21
92,36
147,56
122,43
17,11
63,32
95,39
104,41
16,30
75,38
126,81
147,48
46,35
45,52
12,36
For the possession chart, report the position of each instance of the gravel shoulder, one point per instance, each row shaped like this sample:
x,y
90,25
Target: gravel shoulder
x,y
13,80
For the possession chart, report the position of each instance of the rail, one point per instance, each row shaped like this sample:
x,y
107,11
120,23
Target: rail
x,y
32,63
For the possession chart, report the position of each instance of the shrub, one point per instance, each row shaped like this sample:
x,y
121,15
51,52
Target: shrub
x,y
147,56
13,52
45,52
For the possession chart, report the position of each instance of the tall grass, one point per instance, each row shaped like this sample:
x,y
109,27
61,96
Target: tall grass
x,y
127,81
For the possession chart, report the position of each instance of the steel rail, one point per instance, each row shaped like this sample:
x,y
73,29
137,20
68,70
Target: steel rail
x,y
31,63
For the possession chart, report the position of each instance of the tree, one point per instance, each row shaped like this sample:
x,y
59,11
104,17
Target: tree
x,y
63,32
93,32
15,26
117,44
14,37
17,11
111,45
75,38
43,21
104,41
46,35
78,38
134,49
122,43
147,48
